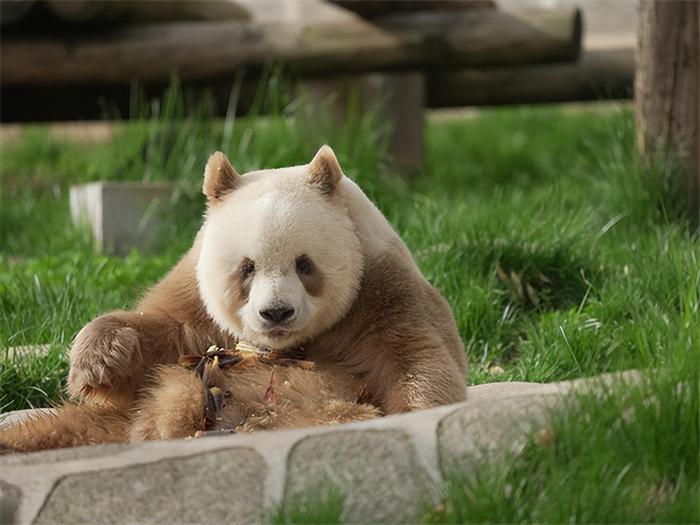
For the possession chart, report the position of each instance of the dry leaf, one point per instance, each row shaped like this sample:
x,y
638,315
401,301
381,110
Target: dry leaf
x,y
532,294
544,437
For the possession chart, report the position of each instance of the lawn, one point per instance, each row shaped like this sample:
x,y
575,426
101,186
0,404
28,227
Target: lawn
x,y
560,253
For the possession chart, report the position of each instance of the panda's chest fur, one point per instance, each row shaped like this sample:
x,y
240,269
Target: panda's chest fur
x,y
270,396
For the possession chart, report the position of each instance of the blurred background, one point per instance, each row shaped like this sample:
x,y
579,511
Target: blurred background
x,y
77,60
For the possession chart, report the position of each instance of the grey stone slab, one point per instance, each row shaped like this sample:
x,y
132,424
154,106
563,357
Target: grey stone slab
x,y
487,392
480,430
376,470
62,454
9,500
223,486
121,215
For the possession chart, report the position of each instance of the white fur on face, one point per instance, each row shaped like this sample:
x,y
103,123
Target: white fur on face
x,y
273,219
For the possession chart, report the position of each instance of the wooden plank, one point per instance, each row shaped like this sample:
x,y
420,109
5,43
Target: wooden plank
x,y
378,8
12,11
597,75
90,12
200,50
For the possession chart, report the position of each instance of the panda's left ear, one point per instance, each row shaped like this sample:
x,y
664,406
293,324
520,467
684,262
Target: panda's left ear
x,y
324,171
220,178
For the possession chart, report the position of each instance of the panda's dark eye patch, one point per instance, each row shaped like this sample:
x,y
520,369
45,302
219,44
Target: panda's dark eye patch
x,y
247,267
240,281
309,274
304,265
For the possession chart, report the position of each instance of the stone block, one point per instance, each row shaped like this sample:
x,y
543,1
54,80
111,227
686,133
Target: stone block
x,y
121,215
397,98
9,501
376,471
223,486
58,455
487,428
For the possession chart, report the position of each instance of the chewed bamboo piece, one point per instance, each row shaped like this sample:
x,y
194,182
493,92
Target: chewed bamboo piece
x,y
208,367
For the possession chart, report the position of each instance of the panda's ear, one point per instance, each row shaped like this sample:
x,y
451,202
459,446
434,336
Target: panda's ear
x,y
220,178
324,171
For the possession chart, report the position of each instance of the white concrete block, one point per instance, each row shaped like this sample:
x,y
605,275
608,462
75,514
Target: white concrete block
x,y
121,215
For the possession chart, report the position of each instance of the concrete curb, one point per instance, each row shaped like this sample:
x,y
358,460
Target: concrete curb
x,y
387,468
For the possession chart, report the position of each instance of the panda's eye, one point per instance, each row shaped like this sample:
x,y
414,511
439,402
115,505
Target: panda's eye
x,y
304,265
247,267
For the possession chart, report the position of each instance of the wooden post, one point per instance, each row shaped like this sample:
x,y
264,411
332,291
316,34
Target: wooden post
x,y
667,87
397,99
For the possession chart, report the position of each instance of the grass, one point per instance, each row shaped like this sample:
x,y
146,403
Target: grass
x,y
627,455
561,254
322,505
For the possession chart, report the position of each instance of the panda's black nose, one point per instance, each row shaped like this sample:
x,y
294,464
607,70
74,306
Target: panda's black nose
x,y
277,315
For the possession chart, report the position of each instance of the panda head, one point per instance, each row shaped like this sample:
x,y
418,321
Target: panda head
x,y
280,258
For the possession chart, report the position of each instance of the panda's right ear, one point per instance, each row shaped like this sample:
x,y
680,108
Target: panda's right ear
x,y
220,178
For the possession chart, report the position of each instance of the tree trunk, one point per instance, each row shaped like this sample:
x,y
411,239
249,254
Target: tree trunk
x,y
667,88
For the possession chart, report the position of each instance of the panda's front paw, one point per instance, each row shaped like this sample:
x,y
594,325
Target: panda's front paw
x,y
105,358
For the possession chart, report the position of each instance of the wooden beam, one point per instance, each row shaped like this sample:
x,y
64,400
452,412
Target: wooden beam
x,y
378,8
91,12
12,11
201,50
597,75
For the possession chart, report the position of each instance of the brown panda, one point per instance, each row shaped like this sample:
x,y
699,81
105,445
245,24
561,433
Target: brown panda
x,y
290,258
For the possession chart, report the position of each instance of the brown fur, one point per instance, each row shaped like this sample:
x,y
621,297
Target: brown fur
x,y
172,407
68,426
394,340
220,178
399,334
325,172
399,339
168,322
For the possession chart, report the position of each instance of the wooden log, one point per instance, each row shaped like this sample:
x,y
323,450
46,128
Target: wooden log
x,y
90,12
668,91
377,8
12,11
603,74
199,50
599,75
